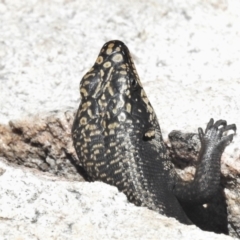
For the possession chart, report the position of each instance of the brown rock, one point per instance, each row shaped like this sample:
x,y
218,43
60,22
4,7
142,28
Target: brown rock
x,y
42,142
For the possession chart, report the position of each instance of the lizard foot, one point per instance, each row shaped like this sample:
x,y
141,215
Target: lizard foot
x,y
213,136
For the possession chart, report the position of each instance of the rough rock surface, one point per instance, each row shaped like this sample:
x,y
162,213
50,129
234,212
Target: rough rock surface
x,y
37,206
44,142
186,53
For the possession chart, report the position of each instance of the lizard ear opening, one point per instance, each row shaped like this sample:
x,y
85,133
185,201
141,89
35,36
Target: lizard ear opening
x,y
149,134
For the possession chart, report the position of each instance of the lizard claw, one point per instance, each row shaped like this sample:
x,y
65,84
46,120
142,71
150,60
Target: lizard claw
x,y
219,123
209,125
201,134
213,135
227,139
229,127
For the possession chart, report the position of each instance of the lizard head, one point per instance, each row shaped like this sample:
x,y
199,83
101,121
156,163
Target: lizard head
x,y
112,94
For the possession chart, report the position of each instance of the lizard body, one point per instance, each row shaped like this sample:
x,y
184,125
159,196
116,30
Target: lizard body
x,y
118,140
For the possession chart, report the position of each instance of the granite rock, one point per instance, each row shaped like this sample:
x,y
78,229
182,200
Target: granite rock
x,y
39,206
45,140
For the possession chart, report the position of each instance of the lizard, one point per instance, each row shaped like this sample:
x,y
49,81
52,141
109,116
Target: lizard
x,y
118,140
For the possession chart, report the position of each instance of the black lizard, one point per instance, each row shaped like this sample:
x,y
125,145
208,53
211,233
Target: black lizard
x,y
118,140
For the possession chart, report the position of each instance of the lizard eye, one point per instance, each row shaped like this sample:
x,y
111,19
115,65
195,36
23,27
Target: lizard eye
x,y
133,82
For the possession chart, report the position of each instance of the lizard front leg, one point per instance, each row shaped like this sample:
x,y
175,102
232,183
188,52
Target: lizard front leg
x,y
206,182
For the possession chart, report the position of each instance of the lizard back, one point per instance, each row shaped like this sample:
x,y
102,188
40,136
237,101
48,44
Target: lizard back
x,y
117,136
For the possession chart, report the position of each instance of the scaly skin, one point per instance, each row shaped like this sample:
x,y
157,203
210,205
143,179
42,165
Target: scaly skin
x,y
118,139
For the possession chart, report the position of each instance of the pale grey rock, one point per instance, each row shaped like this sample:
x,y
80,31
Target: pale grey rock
x,y
40,206
232,193
186,53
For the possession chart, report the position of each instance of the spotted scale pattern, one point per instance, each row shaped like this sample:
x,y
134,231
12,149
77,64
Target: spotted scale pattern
x,y
117,136
118,141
